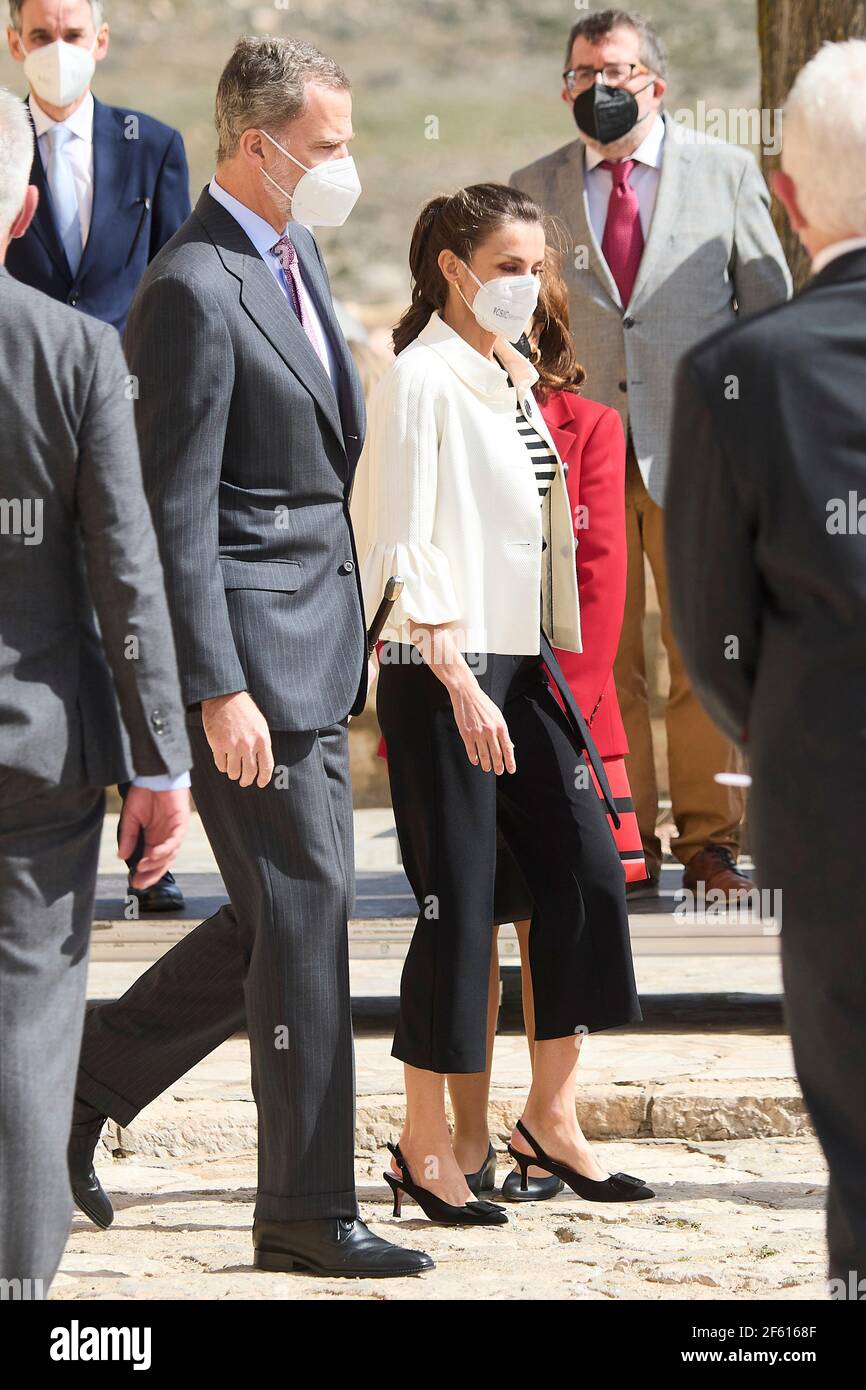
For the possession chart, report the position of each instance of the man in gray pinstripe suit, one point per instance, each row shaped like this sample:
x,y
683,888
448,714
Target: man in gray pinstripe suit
x,y
82,705
250,418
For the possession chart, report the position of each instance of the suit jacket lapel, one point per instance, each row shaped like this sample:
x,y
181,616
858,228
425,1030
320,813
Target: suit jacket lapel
x,y
561,424
317,288
570,195
347,387
266,305
110,173
677,163
43,222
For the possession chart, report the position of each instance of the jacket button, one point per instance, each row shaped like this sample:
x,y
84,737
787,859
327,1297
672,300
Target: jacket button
x,y
628,322
623,386
72,298
157,721
347,567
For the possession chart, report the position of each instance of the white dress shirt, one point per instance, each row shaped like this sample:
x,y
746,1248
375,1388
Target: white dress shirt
x,y
263,237
79,151
644,180
839,248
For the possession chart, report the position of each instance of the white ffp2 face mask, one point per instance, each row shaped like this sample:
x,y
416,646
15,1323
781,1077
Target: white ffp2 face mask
x,y
324,195
505,304
60,72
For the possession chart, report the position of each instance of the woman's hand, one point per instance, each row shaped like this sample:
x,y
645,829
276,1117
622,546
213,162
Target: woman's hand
x,y
482,727
481,723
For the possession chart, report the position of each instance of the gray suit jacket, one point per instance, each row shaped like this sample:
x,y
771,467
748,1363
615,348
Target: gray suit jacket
x,y
75,535
712,252
248,453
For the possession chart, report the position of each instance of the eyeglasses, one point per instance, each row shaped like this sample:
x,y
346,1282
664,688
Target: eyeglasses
x,y
614,75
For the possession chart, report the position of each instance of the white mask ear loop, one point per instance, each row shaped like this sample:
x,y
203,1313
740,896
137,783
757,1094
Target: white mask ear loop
x,y
458,289
276,185
288,155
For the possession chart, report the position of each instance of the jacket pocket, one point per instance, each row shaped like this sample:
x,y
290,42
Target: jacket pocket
x,y
278,576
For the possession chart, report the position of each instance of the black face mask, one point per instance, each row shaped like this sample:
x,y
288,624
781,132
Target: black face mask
x,y
606,114
523,345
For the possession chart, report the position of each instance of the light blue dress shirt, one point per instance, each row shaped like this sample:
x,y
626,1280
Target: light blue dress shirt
x,y
162,782
263,237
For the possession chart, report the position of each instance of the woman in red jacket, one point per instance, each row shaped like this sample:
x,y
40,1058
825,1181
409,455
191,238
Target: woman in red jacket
x,y
589,439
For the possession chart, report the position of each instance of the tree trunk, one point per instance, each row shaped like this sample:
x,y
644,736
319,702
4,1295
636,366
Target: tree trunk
x,y
790,33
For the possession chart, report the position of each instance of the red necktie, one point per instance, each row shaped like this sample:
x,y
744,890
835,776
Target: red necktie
x,y
623,235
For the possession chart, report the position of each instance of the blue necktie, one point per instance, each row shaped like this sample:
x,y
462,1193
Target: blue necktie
x,y
64,199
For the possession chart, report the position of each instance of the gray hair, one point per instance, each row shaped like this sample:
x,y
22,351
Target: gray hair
x,y
598,25
97,9
16,157
824,141
263,87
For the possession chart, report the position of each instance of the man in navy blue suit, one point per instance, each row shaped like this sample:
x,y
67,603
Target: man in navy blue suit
x,y
113,184
113,188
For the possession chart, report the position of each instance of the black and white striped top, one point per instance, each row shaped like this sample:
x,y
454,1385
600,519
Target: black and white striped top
x,y
540,453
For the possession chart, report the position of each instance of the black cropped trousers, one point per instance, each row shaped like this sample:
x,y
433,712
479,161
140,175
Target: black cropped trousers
x,y
447,812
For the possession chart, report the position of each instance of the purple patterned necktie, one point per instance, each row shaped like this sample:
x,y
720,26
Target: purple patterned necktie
x,y
287,256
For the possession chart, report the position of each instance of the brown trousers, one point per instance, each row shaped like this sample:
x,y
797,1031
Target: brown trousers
x,y
704,812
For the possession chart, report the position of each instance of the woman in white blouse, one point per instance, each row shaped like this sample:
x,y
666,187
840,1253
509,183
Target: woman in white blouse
x,y
460,492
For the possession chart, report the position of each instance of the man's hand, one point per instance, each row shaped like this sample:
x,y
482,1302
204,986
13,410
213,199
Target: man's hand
x,y
163,816
239,738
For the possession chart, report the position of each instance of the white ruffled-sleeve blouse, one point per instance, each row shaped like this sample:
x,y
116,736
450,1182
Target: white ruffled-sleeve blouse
x,y
445,496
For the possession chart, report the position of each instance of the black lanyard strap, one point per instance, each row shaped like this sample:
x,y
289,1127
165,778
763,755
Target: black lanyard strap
x,y
580,727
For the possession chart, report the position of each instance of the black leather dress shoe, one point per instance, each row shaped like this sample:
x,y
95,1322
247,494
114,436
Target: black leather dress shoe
x,y
334,1246
162,896
87,1191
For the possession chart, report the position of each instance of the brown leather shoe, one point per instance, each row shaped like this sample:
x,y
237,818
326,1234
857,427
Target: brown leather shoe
x,y
716,868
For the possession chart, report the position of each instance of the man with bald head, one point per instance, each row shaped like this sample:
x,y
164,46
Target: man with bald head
x,y
772,615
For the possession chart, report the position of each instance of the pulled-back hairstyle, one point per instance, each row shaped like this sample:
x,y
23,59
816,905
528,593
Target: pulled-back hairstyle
x,y
457,222
553,356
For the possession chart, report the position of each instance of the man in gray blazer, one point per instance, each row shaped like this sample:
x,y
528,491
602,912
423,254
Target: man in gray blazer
x,y
668,236
250,418
75,534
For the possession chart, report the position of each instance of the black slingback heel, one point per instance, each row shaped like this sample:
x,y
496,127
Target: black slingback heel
x,y
536,1189
485,1179
476,1213
619,1187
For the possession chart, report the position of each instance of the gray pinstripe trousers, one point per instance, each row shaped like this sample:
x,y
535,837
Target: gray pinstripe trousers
x,y
276,959
49,846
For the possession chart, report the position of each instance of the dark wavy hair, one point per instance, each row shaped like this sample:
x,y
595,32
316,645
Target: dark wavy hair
x,y
553,356
457,222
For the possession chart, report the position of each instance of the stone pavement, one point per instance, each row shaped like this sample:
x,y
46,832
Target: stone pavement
x,y
741,1219
706,1107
